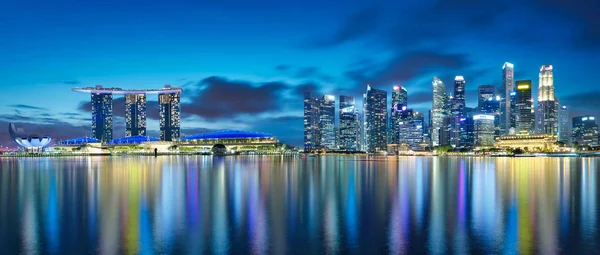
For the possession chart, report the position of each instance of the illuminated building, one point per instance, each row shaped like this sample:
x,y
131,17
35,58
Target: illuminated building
x,y
327,122
312,136
135,115
135,112
457,108
527,142
484,129
524,104
102,115
514,112
491,106
563,124
349,127
438,110
467,128
484,92
29,142
170,115
547,113
399,104
375,112
585,131
411,132
231,140
507,86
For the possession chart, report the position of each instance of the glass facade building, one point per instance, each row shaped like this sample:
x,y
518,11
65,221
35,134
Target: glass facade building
x,y
484,92
484,129
508,74
102,116
327,122
438,110
170,116
375,119
585,131
563,124
135,115
547,112
349,127
399,105
312,138
524,102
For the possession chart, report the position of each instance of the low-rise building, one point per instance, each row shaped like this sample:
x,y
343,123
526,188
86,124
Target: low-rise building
x,y
527,142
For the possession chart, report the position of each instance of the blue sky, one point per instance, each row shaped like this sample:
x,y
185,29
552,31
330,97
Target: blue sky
x,y
244,64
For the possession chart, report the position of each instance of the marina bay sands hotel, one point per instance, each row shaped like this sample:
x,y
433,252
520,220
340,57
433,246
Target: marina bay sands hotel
x,y
169,100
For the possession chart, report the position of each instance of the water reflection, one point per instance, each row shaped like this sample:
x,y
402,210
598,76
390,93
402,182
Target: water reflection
x,y
260,204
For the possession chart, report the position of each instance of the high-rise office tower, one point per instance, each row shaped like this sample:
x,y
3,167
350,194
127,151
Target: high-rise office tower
x,y
484,93
327,122
457,107
491,106
484,129
514,112
507,86
312,136
170,114
399,104
135,114
563,124
524,103
438,110
349,130
102,114
375,111
467,127
547,113
585,131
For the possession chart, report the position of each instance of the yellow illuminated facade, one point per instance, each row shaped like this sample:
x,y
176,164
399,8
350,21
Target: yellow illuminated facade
x,y
542,142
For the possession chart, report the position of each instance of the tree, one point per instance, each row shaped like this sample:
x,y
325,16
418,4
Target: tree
x,y
518,151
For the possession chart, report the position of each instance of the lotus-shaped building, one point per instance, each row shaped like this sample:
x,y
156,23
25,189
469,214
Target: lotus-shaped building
x,y
26,141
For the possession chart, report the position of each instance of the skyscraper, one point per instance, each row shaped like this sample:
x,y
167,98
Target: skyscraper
x,y
514,112
135,114
438,110
507,86
563,124
327,122
102,113
484,129
170,114
457,107
349,130
546,116
585,131
311,122
524,103
484,93
491,106
399,104
375,111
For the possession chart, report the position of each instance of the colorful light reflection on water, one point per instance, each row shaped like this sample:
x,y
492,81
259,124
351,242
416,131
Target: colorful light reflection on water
x,y
261,204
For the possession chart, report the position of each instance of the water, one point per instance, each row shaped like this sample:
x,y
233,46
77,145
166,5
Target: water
x,y
283,205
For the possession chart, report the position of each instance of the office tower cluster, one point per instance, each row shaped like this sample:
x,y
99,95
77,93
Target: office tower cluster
x,y
370,130
508,110
169,99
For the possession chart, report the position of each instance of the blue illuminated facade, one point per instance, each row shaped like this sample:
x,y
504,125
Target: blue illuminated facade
x,y
227,134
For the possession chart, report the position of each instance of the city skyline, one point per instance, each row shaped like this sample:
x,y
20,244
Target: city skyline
x,y
256,78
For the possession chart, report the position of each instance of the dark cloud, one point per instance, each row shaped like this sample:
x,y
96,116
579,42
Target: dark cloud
x,y
220,97
581,102
24,106
306,87
404,67
72,82
56,129
312,72
359,24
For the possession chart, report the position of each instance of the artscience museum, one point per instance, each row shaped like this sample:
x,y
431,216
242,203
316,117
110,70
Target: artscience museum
x,y
29,142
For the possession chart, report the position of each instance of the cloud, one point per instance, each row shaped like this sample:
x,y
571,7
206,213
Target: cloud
x,y
359,24
282,68
24,106
71,82
220,97
407,66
